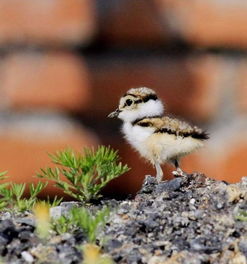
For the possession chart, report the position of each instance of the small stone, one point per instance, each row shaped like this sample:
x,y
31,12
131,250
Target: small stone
x,y
114,243
206,245
56,212
67,253
3,240
243,246
198,213
157,260
192,201
148,225
8,230
27,257
66,236
169,186
69,205
6,215
134,257
220,205
6,224
24,236
158,252
46,253
63,209
236,234
26,221
124,208
148,184
196,245
3,244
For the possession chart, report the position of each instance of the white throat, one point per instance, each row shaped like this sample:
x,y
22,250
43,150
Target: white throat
x,y
148,109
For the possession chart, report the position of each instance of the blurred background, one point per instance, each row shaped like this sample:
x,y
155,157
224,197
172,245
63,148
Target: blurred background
x,y
65,63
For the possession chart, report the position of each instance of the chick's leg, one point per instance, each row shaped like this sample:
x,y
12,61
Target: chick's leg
x,y
159,172
178,171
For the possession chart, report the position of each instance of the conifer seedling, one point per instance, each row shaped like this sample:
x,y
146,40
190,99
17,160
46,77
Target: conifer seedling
x,y
83,175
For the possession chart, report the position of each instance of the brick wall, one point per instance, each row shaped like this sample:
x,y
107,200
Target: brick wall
x,y
64,65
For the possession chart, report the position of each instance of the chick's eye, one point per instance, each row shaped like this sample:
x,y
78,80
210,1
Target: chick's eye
x,y
128,102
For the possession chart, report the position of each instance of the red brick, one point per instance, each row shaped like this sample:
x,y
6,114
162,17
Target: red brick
x,y
241,91
224,157
131,21
25,145
206,23
47,21
44,80
198,22
189,86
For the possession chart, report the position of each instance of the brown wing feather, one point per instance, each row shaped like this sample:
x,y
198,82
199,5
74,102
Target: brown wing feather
x,y
173,126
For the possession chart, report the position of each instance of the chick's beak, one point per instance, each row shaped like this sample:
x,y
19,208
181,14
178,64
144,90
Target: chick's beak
x,y
114,114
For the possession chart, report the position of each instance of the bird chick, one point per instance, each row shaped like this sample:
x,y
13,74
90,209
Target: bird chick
x,y
158,138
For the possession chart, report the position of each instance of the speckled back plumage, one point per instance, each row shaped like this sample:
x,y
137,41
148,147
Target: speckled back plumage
x,y
172,126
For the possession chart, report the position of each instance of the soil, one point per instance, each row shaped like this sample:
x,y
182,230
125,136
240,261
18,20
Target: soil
x,y
189,220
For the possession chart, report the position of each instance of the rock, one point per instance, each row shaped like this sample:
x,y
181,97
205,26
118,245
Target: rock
x,y
6,215
113,244
124,207
28,221
27,257
220,205
148,225
56,212
205,245
70,205
243,246
8,230
191,219
67,254
63,209
3,244
45,254
149,184
134,257
169,186
25,236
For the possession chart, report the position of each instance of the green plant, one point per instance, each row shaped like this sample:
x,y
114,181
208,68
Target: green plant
x,y
241,216
81,217
63,224
12,195
86,173
3,200
90,223
54,202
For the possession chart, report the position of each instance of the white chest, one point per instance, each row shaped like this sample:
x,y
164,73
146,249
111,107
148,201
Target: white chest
x,y
136,135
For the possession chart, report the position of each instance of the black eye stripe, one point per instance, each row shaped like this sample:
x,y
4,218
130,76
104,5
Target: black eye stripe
x,y
150,97
143,100
145,124
138,101
146,99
